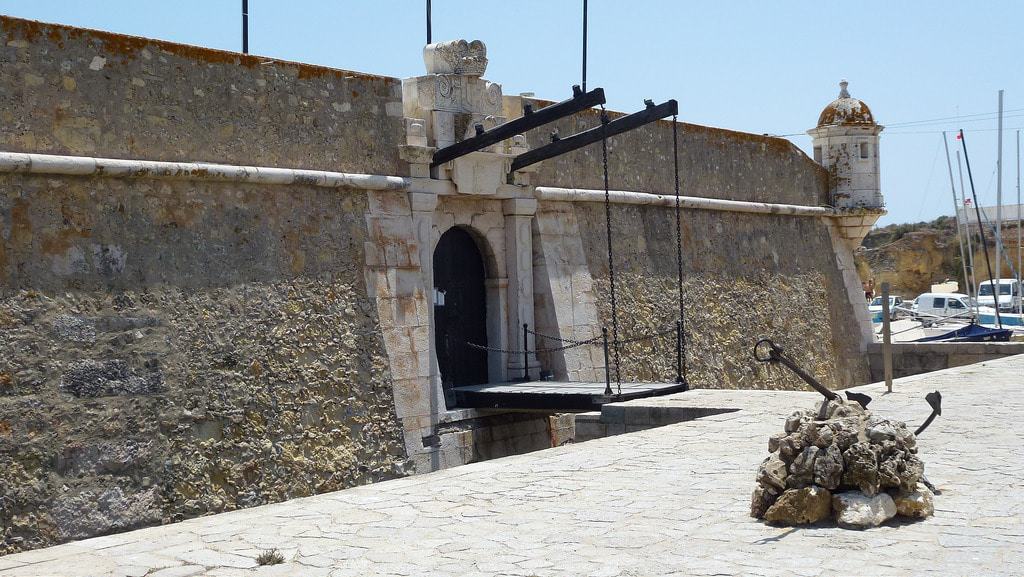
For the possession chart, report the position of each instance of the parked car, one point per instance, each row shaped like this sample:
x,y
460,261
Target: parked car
x,y
935,306
875,308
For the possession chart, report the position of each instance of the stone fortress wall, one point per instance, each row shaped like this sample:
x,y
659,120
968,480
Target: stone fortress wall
x,y
746,276
172,347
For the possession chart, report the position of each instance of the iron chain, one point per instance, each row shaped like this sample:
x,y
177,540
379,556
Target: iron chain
x,y
679,248
608,230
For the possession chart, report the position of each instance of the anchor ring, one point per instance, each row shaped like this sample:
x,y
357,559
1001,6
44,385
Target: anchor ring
x,y
773,350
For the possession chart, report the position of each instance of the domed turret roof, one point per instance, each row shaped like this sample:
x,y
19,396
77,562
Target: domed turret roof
x,y
845,110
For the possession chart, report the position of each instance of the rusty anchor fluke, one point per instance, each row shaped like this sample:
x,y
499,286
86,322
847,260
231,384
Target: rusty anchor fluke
x,y
935,402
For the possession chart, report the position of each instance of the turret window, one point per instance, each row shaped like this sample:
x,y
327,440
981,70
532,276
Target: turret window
x,y
865,150
817,154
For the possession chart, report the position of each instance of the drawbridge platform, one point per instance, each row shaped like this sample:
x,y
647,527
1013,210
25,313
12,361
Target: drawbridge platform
x,y
555,395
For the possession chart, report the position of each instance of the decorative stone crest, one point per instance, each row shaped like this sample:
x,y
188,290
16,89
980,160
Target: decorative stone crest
x,y
456,57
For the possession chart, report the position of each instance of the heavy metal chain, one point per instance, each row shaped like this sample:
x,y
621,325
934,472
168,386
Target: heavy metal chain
x,y
608,230
553,338
679,245
535,351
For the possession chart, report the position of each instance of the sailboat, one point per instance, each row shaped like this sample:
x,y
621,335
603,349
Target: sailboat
x,y
977,331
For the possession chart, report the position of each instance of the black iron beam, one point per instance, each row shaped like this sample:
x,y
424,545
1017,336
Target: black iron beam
x,y
530,119
617,126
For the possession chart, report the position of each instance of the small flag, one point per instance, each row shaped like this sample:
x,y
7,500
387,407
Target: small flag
x,y
967,202
959,136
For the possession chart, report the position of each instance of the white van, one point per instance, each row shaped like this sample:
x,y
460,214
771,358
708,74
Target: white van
x,y
935,306
1009,293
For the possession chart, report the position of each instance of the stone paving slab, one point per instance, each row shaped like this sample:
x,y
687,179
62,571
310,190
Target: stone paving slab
x,y
666,501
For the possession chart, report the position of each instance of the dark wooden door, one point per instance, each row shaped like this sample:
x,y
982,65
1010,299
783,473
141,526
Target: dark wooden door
x,y
459,276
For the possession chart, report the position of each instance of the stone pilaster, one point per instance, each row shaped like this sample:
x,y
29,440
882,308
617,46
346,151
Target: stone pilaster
x,y
519,213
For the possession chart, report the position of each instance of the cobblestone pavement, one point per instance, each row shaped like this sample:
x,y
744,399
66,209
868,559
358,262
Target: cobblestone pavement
x,y
666,501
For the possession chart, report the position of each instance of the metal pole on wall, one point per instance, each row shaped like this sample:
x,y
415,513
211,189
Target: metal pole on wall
x,y
584,46
428,23
886,338
956,215
245,26
998,290
1020,260
967,230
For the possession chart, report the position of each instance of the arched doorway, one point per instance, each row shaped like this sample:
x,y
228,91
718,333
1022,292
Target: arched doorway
x,y
460,311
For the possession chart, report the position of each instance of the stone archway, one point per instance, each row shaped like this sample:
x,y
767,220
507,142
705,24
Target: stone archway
x,y
460,311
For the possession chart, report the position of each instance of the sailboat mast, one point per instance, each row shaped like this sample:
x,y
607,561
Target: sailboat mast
x,y
956,215
967,230
999,203
981,226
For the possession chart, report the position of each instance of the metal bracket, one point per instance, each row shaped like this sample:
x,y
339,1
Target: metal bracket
x,y
559,147
530,119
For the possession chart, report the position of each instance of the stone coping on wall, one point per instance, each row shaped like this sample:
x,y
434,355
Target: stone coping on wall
x,y
917,358
127,45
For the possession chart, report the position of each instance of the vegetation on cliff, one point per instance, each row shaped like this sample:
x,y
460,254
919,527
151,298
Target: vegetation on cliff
x,y
913,256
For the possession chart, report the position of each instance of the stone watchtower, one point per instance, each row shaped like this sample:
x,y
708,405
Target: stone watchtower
x,y
846,144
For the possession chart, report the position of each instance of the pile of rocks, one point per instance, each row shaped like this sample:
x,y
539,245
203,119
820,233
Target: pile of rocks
x,y
843,463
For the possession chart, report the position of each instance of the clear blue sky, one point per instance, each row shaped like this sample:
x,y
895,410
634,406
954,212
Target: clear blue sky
x,y
752,65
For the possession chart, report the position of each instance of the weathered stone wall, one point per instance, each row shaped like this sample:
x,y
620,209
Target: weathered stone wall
x,y
713,162
164,358
171,348
915,358
746,276
84,92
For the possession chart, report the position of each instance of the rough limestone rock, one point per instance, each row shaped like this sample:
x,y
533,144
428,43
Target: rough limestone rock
x,y
840,448
772,474
862,468
761,500
847,431
916,505
801,470
790,446
828,468
801,506
854,510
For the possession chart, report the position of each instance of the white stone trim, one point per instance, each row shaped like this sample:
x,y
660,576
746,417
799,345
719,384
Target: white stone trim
x,y
690,202
118,168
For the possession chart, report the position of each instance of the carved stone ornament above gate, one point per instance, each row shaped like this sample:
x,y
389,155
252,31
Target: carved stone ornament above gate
x,y
456,57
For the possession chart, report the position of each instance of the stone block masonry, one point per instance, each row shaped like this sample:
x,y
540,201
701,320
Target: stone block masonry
x,y
174,348
166,358
85,92
186,338
916,358
745,276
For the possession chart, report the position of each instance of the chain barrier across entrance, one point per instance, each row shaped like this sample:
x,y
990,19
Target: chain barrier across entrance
x,y
525,351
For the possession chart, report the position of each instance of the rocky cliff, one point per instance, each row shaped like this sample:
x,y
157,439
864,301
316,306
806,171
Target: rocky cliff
x,y
911,257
